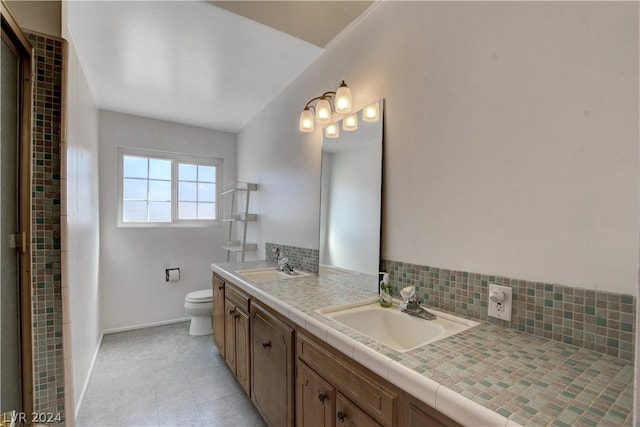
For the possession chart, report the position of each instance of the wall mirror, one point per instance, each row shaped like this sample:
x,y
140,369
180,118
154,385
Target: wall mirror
x,y
351,197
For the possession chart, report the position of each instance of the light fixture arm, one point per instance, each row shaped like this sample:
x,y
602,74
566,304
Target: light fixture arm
x,y
326,95
308,105
338,101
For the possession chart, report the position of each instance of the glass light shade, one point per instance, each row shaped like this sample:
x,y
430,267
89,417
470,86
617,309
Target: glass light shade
x,y
332,130
323,111
350,123
371,113
343,99
306,120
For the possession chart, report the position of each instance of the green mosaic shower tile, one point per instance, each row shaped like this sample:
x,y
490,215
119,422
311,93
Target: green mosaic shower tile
x,y
46,280
627,299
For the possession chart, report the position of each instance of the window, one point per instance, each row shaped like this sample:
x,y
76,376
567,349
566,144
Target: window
x,y
196,191
166,189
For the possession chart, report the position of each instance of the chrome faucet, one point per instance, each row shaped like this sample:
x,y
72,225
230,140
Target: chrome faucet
x,y
412,306
283,263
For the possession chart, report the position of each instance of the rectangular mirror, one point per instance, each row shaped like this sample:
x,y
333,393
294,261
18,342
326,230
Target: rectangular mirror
x,y
351,197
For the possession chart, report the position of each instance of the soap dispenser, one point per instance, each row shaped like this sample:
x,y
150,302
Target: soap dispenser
x,y
385,291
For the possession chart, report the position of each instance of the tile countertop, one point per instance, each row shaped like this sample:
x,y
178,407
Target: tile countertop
x,y
487,375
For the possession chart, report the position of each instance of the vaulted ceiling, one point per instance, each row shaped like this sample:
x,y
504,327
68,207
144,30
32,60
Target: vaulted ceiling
x,y
208,64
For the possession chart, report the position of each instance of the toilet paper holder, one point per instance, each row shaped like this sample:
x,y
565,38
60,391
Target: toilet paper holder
x,y
167,273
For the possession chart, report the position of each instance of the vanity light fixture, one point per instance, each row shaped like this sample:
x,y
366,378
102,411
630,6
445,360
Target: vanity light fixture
x,y
371,113
339,101
343,99
323,111
350,123
332,130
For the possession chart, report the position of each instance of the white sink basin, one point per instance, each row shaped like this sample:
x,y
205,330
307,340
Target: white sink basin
x,y
268,274
398,330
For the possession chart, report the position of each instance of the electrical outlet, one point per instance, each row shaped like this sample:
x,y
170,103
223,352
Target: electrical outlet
x,y
500,301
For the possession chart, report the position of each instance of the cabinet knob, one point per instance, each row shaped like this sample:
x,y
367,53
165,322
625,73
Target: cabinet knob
x,y
266,345
232,311
221,287
322,397
341,416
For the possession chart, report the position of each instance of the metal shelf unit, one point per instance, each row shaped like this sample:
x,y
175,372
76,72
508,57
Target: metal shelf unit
x,y
237,195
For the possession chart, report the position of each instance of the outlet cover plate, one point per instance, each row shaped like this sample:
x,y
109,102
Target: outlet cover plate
x,y
501,310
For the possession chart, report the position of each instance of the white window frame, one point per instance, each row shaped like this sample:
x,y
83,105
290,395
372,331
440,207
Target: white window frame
x,y
175,159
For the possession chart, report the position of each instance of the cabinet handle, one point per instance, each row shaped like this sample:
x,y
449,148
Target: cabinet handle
x,y
322,397
341,416
232,311
221,287
266,345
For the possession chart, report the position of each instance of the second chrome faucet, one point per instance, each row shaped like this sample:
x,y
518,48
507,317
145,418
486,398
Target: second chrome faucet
x,y
283,263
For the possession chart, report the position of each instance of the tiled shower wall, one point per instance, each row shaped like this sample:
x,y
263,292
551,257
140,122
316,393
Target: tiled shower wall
x,y
46,281
597,320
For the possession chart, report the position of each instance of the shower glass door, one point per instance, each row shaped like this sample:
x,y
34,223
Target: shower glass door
x,y
10,356
16,350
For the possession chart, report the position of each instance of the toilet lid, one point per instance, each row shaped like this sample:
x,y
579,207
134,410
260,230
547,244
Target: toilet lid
x,y
205,295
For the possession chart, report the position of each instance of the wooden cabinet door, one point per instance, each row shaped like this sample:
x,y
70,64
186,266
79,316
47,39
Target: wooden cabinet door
x,y
230,335
315,399
272,368
243,359
418,414
218,313
418,418
349,415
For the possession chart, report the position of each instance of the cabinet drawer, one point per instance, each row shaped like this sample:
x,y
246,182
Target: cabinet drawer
x,y
239,298
351,380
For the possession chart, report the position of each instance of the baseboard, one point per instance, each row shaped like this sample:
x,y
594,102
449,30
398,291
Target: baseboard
x,y
146,325
86,381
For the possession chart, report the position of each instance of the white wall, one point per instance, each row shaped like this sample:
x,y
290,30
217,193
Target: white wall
x,y
81,254
133,260
511,138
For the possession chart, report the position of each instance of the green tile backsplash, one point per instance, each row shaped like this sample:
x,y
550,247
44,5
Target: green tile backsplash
x,y
299,258
596,320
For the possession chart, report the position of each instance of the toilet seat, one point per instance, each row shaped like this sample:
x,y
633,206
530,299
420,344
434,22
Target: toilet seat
x,y
202,296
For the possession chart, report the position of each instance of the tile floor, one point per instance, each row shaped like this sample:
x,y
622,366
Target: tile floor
x,y
162,376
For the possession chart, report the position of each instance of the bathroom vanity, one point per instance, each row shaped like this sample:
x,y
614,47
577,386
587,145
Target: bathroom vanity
x,y
306,366
295,378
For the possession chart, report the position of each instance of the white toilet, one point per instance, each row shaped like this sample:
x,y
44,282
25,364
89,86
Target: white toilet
x,y
199,305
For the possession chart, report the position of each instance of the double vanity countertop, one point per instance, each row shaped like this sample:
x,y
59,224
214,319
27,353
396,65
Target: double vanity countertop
x,y
487,375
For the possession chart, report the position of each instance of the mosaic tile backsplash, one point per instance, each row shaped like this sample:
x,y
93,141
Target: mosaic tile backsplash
x,y
48,358
299,258
596,320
